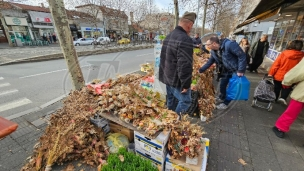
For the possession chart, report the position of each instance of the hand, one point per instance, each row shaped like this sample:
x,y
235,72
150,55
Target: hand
x,y
240,74
285,86
184,90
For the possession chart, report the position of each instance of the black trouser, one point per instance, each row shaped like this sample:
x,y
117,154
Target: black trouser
x,y
278,89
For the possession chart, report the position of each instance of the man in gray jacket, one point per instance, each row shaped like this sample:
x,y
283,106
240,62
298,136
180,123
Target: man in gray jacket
x,y
176,62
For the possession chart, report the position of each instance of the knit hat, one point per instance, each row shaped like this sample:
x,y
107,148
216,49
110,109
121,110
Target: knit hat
x,y
190,16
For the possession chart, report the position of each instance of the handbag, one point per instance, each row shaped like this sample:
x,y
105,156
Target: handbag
x,y
238,88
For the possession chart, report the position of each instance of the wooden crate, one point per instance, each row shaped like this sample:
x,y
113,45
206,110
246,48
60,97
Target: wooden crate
x,y
123,130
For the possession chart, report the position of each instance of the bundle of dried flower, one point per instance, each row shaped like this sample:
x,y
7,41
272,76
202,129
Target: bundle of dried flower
x,y
70,135
185,139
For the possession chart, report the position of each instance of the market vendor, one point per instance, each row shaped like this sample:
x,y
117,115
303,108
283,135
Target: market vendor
x,y
176,62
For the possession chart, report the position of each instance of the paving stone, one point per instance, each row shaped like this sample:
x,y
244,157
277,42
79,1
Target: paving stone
x,y
38,122
229,166
244,144
229,153
259,139
287,162
263,158
246,153
285,146
228,127
230,139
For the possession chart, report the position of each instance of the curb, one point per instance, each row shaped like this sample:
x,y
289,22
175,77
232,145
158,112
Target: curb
x,y
82,53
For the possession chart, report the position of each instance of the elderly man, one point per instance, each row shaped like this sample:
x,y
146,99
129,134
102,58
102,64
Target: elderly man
x,y
176,62
230,58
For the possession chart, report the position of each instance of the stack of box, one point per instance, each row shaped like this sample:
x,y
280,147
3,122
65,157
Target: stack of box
x,y
152,149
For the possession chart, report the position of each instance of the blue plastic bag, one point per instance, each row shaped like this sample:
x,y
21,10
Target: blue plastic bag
x,y
238,88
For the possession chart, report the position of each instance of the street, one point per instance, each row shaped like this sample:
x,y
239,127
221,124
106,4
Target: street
x,y
24,87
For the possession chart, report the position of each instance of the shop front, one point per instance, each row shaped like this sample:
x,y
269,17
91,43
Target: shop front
x,y
43,28
91,32
17,29
285,30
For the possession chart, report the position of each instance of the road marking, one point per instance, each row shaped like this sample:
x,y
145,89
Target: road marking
x,y
145,54
49,72
8,92
5,85
14,104
1,78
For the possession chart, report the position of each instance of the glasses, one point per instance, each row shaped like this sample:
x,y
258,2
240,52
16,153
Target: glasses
x,y
208,44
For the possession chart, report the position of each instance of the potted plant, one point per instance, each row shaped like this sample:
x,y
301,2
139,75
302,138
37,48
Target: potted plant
x,y
126,161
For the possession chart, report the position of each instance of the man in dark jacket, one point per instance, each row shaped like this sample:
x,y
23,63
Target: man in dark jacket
x,y
196,41
231,58
176,62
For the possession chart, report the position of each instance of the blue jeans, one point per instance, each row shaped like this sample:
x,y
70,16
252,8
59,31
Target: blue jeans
x,y
223,87
177,101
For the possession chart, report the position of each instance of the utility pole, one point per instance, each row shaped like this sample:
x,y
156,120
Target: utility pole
x,y
198,6
176,12
66,42
204,18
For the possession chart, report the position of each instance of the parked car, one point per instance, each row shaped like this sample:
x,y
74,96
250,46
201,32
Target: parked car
x,y
123,41
84,41
103,40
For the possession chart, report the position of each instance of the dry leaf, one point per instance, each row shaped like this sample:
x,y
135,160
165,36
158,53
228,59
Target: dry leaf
x,y
79,164
121,158
70,167
242,162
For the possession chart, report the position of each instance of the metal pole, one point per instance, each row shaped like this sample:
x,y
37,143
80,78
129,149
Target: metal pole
x,y
198,6
204,17
66,42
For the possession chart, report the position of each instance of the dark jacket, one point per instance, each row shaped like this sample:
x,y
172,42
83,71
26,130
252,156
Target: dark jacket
x,y
233,58
176,60
196,41
254,47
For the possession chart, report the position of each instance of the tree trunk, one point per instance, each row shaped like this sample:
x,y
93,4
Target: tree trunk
x,y
66,42
204,18
176,11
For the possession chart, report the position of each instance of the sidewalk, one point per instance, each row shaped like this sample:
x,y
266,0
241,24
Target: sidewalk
x,y
40,53
240,133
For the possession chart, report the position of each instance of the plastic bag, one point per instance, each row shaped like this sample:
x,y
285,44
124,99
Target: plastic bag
x,y
116,141
250,61
238,88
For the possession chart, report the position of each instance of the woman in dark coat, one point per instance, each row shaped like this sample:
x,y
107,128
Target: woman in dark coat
x,y
257,53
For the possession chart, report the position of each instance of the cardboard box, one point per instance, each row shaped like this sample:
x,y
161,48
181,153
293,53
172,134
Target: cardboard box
x,y
156,148
158,164
181,165
123,130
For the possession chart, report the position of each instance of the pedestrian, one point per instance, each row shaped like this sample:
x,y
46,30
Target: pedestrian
x,y
257,52
244,44
176,62
230,59
285,62
294,76
196,41
54,38
51,38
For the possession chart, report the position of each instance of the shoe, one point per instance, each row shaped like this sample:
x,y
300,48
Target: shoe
x,y
221,106
218,100
283,101
278,133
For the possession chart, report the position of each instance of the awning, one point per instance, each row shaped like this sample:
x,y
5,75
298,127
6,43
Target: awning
x,y
239,31
266,9
262,16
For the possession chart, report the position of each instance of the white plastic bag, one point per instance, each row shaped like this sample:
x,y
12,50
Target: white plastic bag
x,y
250,62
